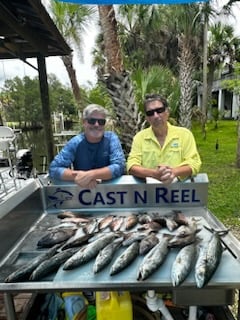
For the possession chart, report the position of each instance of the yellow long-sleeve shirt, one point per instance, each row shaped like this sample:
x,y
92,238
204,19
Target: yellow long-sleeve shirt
x,y
179,149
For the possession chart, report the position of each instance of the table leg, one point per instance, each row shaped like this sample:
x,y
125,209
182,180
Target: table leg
x,y
9,306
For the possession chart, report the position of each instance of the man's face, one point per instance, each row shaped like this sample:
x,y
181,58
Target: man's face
x,y
156,114
94,126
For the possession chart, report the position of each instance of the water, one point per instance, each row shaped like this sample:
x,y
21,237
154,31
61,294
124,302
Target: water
x,y
35,141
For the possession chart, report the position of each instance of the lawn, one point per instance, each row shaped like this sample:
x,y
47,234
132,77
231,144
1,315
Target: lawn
x,y
220,165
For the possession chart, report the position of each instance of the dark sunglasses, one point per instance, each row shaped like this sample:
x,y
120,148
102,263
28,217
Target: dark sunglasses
x,y
150,113
101,122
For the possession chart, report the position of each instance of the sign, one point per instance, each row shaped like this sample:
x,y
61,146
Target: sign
x,y
127,192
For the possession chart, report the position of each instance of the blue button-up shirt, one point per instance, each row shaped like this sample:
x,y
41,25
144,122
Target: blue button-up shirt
x,y
83,155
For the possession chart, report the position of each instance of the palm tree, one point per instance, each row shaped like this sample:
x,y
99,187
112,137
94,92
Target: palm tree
x,y
170,36
117,79
157,79
189,32
223,51
72,21
145,36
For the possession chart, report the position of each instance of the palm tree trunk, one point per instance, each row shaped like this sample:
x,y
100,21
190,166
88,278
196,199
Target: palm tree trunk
x,y
118,81
68,62
205,86
186,61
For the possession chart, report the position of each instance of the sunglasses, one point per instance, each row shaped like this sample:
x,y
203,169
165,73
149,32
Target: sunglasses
x,y
150,113
101,122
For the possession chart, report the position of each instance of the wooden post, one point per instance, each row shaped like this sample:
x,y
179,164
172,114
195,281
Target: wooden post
x,y
47,122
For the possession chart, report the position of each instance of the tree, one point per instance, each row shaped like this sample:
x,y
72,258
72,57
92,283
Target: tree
x,y
21,103
169,36
223,51
157,79
189,32
117,80
72,20
145,36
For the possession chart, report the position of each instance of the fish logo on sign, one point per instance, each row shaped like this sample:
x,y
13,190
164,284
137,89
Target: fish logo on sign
x,y
59,197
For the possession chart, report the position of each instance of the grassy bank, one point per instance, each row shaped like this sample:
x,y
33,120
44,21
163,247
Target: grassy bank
x,y
220,166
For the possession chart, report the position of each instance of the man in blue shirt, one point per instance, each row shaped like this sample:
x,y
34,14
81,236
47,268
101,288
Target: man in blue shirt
x,y
92,155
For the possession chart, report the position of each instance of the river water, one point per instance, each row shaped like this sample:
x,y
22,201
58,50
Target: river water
x,y
34,140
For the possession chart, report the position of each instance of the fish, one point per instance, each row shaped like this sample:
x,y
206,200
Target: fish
x,y
88,252
55,236
105,222
189,228
23,273
167,221
147,243
125,258
105,256
153,259
131,221
208,259
133,236
77,220
144,218
52,264
183,264
180,242
63,225
77,242
66,214
91,226
180,217
151,226
116,223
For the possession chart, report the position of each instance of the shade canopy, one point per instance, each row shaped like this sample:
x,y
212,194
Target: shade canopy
x,y
27,31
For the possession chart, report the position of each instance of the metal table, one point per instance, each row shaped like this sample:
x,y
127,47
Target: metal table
x,y
121,197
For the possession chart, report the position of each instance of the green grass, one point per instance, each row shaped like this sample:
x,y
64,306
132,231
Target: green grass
x,y
220,166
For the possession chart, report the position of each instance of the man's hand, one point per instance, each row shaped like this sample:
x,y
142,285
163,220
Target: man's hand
x,y
85,179
165,174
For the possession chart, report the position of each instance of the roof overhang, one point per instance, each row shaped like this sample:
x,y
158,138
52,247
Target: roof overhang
x,y
27,31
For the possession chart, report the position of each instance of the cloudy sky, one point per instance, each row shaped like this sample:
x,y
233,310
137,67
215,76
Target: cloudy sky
x,y
85,73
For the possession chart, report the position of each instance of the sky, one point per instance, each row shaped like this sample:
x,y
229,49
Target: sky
x,y
86,74
11,68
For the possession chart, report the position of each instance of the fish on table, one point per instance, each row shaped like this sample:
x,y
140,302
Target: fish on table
x,y
133,236
131,221
180,242
147,243
209,257
116,223
105,222
183,264
106,255
23,273
88,252
52,264
154,258
91,226
77,241
55,236
125,258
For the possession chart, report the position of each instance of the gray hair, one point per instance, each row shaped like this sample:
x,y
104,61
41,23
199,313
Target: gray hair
x,y
92,108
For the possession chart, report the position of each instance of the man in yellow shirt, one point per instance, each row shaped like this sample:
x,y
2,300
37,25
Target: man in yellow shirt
x,y
162,151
